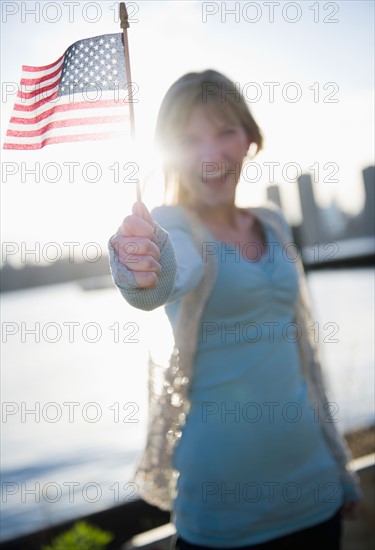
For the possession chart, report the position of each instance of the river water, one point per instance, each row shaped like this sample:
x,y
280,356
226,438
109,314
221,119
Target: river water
x,y
74,390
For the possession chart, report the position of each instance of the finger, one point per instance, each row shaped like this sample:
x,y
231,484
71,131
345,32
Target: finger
x,y
136,227
141,263
116,235
141,210
135,245
146,279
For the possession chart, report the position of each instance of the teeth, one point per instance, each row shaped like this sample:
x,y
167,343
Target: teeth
x,y
216,176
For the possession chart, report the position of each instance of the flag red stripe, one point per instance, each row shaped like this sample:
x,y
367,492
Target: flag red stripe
x,y
58,139
66,123
30,69
29,95
32,81
19,107
67,107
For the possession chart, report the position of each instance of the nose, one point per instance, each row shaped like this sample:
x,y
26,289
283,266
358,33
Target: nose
x,y
211,151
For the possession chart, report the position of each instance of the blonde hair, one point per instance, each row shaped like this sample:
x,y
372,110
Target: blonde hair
x,y
222,98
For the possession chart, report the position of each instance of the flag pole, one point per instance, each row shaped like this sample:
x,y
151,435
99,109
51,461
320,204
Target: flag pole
x,y
124,23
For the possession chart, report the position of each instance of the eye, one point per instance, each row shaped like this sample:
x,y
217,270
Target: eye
x,y
228,132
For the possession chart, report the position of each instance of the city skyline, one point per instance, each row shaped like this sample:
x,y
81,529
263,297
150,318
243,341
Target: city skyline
x,y
324,224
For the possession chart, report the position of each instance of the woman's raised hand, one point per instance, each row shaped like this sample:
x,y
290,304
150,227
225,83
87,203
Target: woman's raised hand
x,y
135,248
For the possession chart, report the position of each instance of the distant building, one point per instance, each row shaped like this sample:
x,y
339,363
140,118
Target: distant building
x,y
312,228
273,194
368,211
334,220
362,225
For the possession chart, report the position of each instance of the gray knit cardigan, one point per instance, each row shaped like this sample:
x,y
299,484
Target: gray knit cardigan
x,y
169,384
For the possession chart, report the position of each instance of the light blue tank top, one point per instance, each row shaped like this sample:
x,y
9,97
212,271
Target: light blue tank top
x,y
252,461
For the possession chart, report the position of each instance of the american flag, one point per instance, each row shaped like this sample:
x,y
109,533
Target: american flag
x,y
83,96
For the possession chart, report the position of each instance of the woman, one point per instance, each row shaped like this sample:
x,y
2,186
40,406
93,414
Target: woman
x,y
241,445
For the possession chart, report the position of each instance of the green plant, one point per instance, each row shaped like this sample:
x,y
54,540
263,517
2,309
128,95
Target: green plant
x,y
82,536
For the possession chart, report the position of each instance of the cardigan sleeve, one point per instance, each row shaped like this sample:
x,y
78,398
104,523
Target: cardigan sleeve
x,y
181,263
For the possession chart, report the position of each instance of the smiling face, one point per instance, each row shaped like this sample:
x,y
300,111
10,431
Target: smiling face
x,y
208,157
204,129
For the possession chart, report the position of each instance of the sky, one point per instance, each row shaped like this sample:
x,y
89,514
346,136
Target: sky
x,y
322,50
